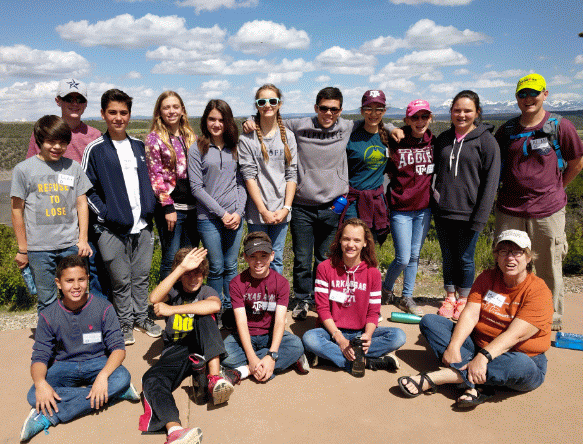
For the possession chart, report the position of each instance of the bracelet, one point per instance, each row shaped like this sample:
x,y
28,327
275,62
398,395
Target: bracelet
x,y
20,252
288,208
486,354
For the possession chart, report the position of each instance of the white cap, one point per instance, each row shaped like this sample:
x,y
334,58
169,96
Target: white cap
x,y
69,86
517,237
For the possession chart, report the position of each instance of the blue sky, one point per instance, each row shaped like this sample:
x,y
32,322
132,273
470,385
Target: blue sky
x,y
225,49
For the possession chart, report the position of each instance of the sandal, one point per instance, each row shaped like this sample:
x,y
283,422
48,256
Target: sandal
x,y
483,395
404,380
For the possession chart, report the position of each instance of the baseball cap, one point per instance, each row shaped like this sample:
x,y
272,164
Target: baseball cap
x,y
69,86
517,237
374,96
415,106
532,81
253,245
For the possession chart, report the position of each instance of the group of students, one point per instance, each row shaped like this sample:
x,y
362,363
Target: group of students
x,y
280,171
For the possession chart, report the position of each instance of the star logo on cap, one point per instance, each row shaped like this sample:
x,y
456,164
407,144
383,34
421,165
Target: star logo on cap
x,y
72,84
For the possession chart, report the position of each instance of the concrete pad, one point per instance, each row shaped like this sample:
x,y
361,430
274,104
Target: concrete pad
x,y
327,405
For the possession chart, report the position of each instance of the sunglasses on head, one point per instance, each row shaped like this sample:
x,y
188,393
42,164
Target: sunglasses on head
x,y
74,99
325,109
527,93
262,102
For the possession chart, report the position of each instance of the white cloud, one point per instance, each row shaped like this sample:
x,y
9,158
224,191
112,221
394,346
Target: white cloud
x,y
393,71
461,72
383,45
127,32
211,66
398,84
509,73
167,53
215,85
133,75
338,60
262,36
426,34
567,96
433,76
560,80
448,89
213,5
23,61
491,83
579,75
323,79
434,57
579,59
279,78
432,2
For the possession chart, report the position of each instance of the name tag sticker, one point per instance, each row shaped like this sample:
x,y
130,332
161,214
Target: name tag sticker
x,y
65,179
540,144
128,164
430,168
338,296
92,338
494,298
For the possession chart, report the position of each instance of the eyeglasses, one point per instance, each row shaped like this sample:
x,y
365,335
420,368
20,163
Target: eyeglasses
x,y
370,110
515,253
325,109
69,98
416,117
262,102
527,93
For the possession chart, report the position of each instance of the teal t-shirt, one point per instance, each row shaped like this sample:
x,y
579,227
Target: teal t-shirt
x,y
367,158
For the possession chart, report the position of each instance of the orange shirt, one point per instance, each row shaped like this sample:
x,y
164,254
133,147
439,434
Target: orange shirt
x,y
531,301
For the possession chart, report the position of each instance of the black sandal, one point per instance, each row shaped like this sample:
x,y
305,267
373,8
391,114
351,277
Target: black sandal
x,y
404,380
483,395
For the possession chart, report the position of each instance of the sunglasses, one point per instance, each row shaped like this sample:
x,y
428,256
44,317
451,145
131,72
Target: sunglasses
x,y
325,109
529,93
74,99
262,102
416,117
369,110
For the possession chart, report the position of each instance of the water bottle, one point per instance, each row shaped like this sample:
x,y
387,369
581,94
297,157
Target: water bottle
x,y
28,279
405,318
569,340
339,204
358,364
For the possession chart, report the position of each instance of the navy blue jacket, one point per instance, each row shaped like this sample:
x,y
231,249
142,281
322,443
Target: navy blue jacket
x,y
108,199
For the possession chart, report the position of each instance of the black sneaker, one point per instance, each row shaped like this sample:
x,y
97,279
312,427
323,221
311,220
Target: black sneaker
x,y
300,312
386,362
128,335
149,327
358,365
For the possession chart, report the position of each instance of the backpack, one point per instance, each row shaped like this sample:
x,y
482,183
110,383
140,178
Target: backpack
x,y
550,130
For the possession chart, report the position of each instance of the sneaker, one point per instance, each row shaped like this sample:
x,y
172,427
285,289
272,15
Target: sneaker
x,y
385,362
185,436
387,296
302,366
459,307
131,394
149,327
230,374
380,319
128,335
557,325
447,308
219,389
408,305
300,312
33,424
312,359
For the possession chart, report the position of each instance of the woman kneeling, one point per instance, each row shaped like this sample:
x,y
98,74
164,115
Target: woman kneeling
x,y
502,334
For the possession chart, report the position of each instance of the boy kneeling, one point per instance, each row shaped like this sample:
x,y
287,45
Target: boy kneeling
x,y
191,341
260,296
82,334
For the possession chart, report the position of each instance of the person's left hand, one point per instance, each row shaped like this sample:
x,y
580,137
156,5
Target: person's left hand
x,y
477,369
366,340
280,215
98,393
235,222
162,309
264,369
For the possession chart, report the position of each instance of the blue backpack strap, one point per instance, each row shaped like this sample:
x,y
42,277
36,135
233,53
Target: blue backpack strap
x,y
551,130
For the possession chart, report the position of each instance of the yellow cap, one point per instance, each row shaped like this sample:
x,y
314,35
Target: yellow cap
x,y
532,81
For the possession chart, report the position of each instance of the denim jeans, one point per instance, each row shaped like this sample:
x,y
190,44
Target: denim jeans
x,y
384,340
458,244
512,369
277,234
184,234
72,381
43,265
409,229
223,250
290,350
313,229
98,277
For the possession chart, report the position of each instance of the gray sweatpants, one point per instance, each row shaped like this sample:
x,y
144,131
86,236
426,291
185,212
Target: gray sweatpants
x,y
128,260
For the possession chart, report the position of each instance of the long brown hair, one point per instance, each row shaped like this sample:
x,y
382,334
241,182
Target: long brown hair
x,y
283,136
230,132
368,253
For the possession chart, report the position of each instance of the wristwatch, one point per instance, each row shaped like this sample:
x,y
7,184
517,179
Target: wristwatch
x,y
274,355
486,354
288,208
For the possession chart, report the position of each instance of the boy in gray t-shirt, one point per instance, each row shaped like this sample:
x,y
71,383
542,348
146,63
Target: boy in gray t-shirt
x,y
49,207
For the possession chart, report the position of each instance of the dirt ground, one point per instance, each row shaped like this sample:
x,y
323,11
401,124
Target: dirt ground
x,y
327,405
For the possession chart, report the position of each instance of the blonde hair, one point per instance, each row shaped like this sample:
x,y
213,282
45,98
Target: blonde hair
x,y
158,126
287,152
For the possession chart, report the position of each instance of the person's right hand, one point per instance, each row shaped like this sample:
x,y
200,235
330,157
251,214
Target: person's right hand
x,y
249,126
345,347
268,217
451,356
21,260
46,398
171,219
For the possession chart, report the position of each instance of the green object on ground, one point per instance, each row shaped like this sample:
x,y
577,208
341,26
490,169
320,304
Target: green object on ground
x,y
405,318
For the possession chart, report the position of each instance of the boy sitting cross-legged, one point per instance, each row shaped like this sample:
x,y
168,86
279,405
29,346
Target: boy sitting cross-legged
x,y
191,341
260,296
81,333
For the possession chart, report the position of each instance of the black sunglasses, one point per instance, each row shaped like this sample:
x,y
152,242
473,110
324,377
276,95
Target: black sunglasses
x,y
69,98
325,109
530,93
262,102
